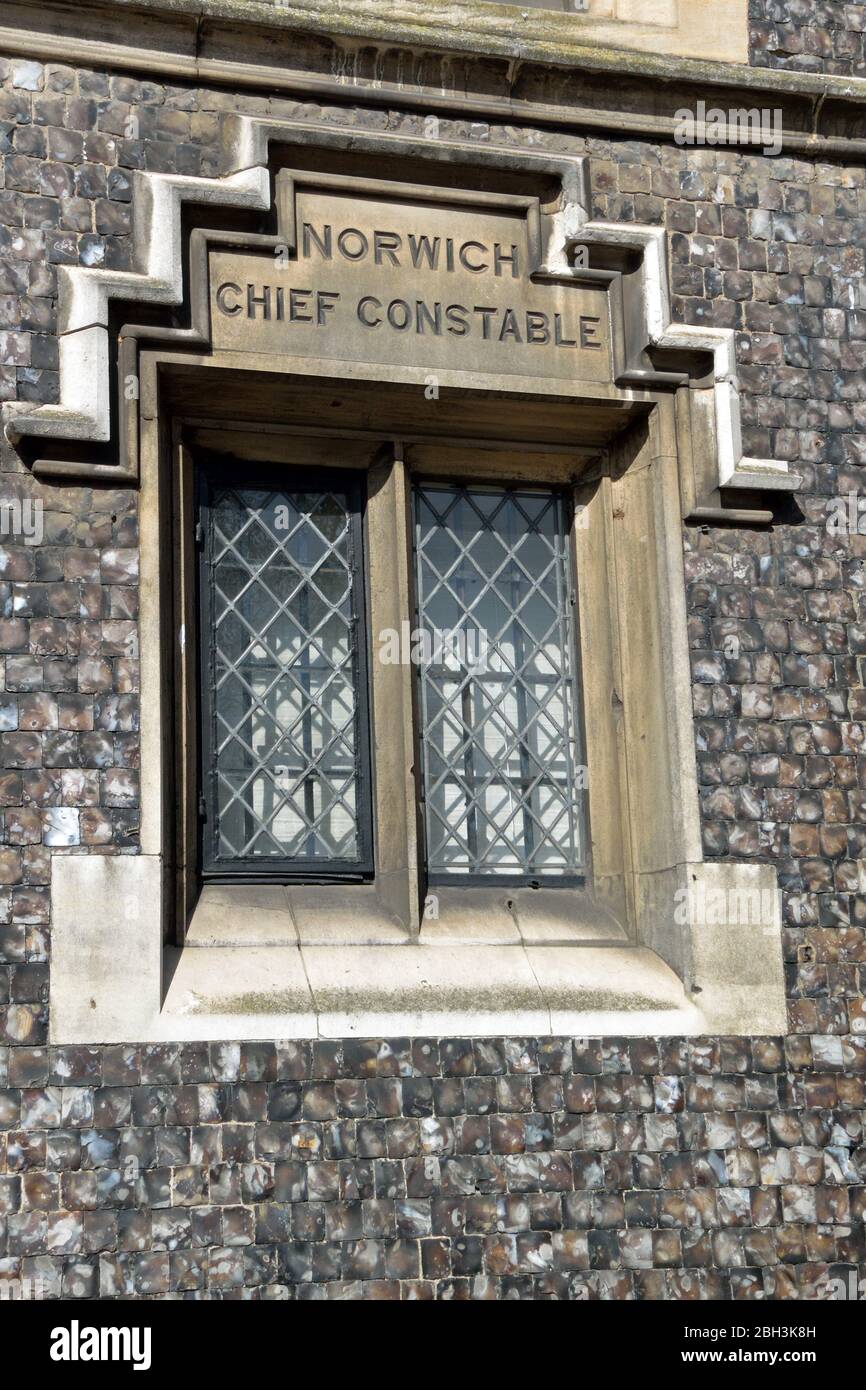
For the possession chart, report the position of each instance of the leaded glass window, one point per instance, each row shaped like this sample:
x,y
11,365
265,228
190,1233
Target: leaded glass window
x,y
499,717
285,755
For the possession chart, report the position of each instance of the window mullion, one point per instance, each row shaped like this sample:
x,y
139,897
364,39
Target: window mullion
x,y
396,783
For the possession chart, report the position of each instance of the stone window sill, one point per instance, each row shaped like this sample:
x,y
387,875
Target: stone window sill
x,y
417,989
113,981
333,915
330,961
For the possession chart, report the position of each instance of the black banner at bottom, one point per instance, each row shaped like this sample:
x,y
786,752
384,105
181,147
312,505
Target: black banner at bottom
x,y
659,1337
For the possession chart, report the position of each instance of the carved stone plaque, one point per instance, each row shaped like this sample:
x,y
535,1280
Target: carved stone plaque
x,y
406,287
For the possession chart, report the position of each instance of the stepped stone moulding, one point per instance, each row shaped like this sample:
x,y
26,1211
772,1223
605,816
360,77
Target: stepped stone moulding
x,y
84,411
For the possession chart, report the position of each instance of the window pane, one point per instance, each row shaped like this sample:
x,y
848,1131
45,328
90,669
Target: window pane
x,y
498,693
280,662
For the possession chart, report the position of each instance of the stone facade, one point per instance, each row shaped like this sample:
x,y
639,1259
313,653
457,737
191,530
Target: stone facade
x,y
445,1168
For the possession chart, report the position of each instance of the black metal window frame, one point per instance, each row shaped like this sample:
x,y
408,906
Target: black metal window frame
x,y
577,877
240,475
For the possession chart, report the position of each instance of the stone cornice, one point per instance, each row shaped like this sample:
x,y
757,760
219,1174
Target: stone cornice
x,y
244,42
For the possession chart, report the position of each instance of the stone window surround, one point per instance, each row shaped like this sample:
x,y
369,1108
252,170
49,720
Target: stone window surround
x,y
111,978
307,973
